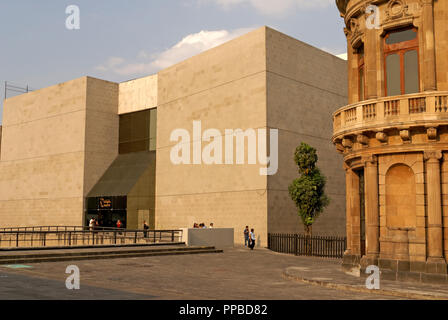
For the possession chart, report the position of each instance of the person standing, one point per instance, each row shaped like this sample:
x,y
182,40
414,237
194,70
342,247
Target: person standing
x,y
91,224
246,236
145,228
119,224
252,239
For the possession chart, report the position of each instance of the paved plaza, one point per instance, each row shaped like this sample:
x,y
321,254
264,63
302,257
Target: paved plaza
x,y
235,274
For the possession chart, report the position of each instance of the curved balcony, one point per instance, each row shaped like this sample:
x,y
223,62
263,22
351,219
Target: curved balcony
x,y
421,109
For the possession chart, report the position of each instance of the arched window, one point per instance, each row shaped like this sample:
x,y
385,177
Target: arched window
x,y
361,73
401,62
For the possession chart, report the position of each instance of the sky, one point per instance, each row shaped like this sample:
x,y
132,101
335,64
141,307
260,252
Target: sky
x,y
121,40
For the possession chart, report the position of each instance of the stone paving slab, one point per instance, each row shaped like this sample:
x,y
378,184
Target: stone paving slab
x,y
236,274
328,273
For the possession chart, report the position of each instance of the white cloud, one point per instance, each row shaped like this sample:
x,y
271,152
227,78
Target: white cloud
x,y
111,63
189,46
272,7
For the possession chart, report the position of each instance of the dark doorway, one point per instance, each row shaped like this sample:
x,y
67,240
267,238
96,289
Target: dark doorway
x,y
107,211
362,211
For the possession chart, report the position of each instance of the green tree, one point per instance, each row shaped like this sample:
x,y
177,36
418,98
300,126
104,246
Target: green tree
x,y
308,191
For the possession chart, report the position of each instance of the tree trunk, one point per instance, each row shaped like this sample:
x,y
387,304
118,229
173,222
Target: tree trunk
x,y
308,242
308,230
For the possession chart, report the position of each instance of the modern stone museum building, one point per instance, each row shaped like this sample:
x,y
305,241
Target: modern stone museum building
x,y
394,137
93,148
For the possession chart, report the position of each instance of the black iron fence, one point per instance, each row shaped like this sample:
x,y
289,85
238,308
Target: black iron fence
x,y
46,236
302,245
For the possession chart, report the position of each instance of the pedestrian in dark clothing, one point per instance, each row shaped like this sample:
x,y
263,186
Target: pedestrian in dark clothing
x,y
145,228
246,236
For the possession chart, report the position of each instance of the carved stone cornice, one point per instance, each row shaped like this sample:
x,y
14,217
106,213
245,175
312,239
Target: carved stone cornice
x,y
342,6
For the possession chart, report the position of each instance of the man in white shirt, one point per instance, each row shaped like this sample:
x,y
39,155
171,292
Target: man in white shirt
x,y
92,224
252,239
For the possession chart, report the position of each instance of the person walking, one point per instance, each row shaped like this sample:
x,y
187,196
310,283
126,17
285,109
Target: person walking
x,y
246,236
252,239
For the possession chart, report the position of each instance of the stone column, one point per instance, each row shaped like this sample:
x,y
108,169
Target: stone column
x,y
372,207
429,55
434,240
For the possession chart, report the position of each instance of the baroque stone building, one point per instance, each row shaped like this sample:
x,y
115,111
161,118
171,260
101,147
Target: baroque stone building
x,y
394,137
93,148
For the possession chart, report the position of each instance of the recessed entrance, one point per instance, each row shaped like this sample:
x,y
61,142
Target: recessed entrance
x,y
362,211
107,211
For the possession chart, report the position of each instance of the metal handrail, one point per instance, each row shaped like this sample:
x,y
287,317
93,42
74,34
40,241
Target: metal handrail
x,y
85,234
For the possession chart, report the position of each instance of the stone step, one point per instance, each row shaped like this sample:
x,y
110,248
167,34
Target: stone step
x,y
91,255
92,251
96,246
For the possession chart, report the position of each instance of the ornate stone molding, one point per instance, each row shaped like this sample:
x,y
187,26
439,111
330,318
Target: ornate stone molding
x,y
396,9
370,160
347,143
432,155
426,2
405,135
432,133
362,139
381,137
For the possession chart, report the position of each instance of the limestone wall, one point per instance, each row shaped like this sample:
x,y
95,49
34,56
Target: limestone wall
x,y
305,86
138,94
57,142
42,160
141,199
101,131
225,88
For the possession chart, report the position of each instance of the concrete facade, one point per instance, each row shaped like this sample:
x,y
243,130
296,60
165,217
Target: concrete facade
x,y
58,142
395,146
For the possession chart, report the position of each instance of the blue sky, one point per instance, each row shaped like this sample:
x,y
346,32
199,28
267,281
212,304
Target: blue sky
x,y
122,40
